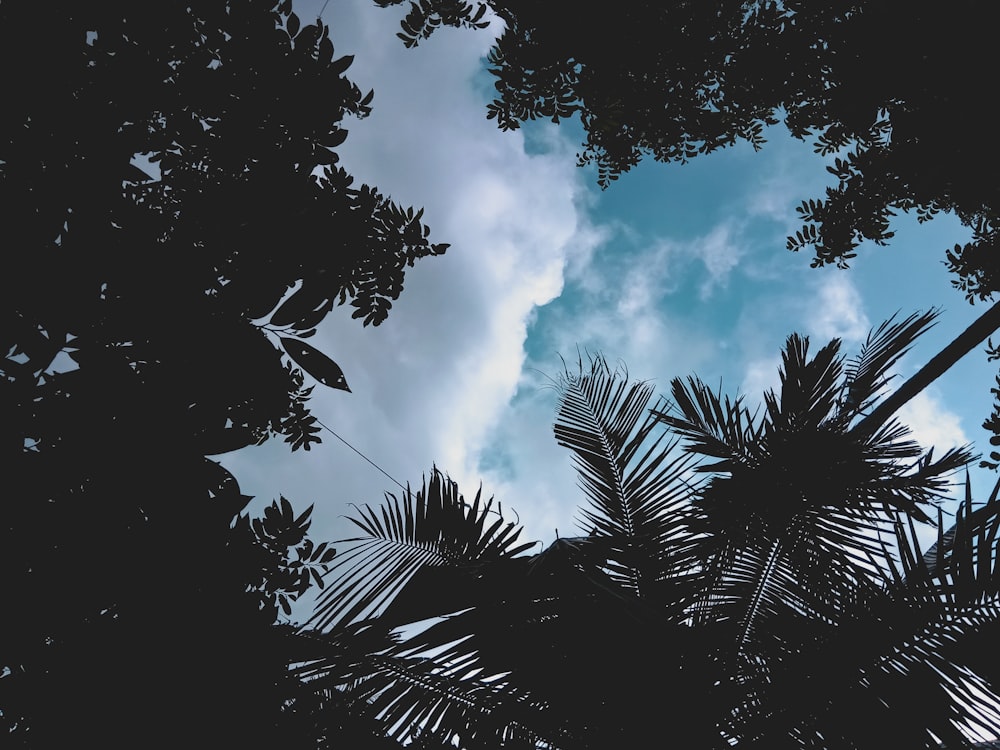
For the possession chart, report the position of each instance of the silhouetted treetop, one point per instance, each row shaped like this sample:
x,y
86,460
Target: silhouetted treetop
x,y
172,175
744,577
175,226
893,96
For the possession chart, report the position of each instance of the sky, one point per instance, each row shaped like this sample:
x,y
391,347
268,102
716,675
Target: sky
x,y
674,270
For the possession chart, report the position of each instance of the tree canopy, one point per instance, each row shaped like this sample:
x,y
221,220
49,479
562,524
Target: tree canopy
x,y
895,102
176,225
750,579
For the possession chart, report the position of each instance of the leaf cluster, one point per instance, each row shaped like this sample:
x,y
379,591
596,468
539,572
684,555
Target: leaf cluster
x,y
172,184
425,16
177,223
902,114
290,563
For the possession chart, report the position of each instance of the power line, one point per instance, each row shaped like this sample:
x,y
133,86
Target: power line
x,y
498,511
362,455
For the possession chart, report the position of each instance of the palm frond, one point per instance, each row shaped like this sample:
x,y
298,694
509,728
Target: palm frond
x,y
598,414
410,693
943,609
786,586
913,652
808,386
408,690
867,373
514,623
555,629
712,425
963,563
791,520
923,483
637,485
434,526
914,660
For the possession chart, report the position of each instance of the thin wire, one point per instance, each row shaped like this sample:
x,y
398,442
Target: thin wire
x,y
318,16
360,453
498,511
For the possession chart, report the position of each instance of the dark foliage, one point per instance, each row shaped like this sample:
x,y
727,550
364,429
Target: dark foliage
x,y
175,223
896,97
751,578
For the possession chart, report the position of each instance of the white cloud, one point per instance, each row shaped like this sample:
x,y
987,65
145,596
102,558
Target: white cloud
x,y
527,470
761,376
625,312
429,383
647,279
720,251
793,172
932,423
836,310
775,200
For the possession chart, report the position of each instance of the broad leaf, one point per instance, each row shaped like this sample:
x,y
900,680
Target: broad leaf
x,y
317,364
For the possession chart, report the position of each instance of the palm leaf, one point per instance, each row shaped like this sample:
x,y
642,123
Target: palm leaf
x,y
915,664
808,386
432,527
421,557
766,586
982,520
555,630
513,623
937,623
912,662
712,424
409,691
867,373
637,486
790,522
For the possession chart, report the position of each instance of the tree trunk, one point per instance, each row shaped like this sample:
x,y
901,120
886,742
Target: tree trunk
x,y
971,337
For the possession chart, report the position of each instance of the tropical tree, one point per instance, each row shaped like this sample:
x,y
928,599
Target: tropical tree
x,y
176,225
748,577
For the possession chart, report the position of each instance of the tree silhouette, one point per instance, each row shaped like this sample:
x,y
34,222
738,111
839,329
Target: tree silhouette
x,y
898,104
749,578
175,226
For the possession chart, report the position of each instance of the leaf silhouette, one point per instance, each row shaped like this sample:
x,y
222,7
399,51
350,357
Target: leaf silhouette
x,y
317,364
303,302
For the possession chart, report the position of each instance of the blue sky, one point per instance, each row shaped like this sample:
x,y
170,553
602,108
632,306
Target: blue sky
x,y
675,269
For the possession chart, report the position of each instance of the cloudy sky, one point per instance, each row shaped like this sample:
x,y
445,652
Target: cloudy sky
x,y
676,269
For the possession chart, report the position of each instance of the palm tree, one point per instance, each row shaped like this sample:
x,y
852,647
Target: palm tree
x,y
750,577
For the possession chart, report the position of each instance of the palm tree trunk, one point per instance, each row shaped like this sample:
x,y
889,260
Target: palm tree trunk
x,y
971,337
